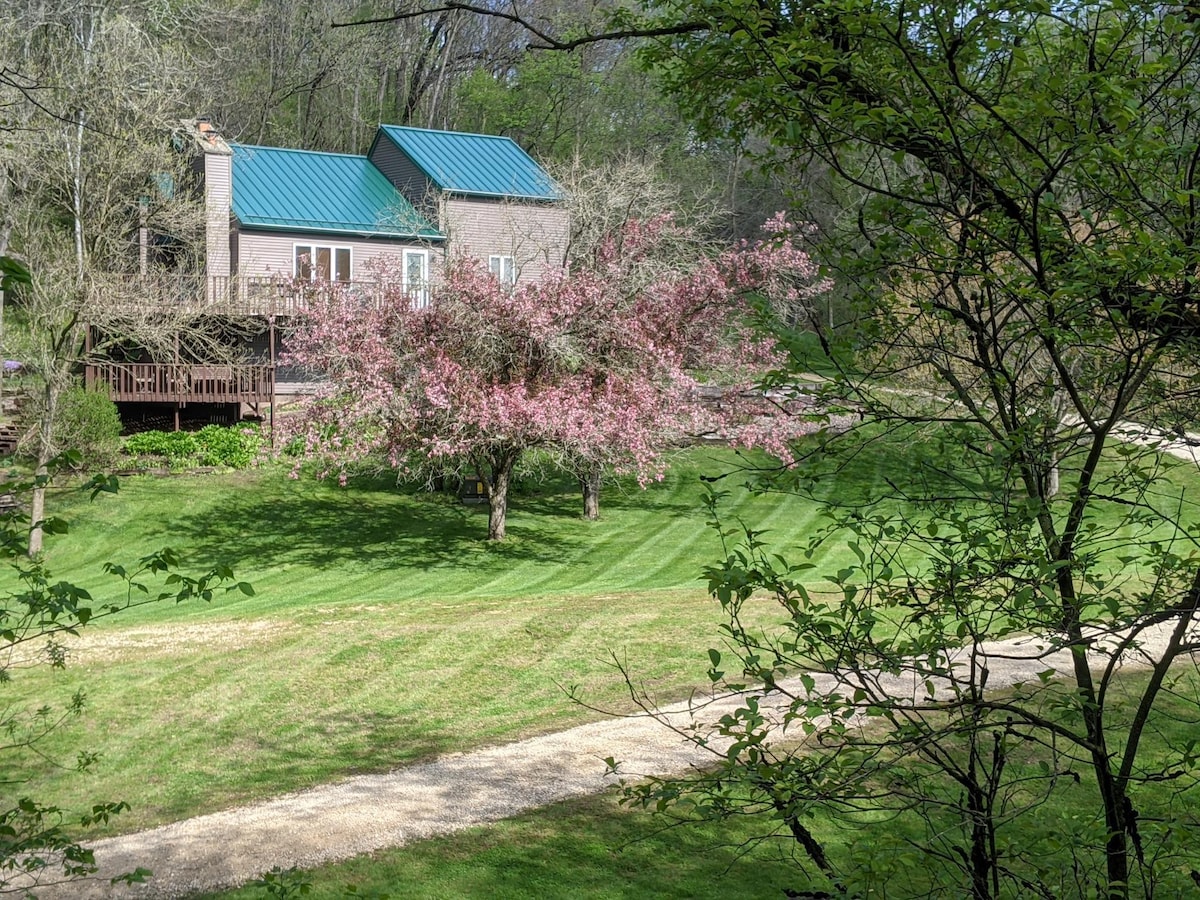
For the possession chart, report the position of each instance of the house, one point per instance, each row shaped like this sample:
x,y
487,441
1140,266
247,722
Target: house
x,y
274,215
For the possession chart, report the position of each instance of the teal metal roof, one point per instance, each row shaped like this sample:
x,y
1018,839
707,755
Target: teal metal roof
x,y
477,165
299,190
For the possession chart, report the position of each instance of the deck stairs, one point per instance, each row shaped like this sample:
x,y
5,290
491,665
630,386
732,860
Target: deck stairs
x,y
10,434
10,431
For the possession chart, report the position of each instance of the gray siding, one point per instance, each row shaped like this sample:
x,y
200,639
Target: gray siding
x,y
534,234
217,206
265,254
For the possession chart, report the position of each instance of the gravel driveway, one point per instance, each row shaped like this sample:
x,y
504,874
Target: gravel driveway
x,y
453,792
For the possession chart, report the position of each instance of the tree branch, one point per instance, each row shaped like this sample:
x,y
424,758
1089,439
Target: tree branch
x,y
545,40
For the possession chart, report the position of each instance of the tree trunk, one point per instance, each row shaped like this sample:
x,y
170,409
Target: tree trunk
x,y
1116,849
981,856
37,499
499,476
37,511
590,484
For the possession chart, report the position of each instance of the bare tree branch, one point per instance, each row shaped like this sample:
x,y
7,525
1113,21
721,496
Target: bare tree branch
x,y
545,40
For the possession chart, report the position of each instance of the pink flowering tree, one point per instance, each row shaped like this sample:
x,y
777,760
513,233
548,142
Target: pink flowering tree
x,y
597,365
686,327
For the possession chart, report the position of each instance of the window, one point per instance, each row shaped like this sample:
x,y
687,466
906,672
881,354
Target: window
x,y
316,262
504,268
416,275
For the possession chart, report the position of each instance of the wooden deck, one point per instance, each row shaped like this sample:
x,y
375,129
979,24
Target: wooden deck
x,y
181,383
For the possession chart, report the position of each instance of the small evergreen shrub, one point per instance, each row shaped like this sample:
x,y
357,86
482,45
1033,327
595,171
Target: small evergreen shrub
x,y
89,423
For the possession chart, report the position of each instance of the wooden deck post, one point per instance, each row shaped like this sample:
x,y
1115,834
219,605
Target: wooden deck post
x,y
271,370
175,381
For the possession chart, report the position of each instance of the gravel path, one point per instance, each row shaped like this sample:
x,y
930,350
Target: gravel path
x,y
454,792
375,811
450,793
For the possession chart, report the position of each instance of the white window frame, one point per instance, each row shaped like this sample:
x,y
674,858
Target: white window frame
x,y
418,291
313,247
504,267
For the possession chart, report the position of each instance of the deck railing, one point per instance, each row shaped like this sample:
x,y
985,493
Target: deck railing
x,y
234,295
184,383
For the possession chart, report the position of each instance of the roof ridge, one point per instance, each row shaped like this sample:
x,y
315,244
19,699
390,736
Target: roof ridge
x,y
475,134
298,150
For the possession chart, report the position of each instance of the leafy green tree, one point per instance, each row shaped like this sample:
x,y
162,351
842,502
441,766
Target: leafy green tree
x,y
1028,195
592,106
1023,179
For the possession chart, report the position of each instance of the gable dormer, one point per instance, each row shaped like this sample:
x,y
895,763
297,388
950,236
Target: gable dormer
x,y
490,197
421,162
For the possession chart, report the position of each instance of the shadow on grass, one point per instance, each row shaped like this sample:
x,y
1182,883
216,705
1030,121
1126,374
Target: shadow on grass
x,y
353,744
679,495
369,522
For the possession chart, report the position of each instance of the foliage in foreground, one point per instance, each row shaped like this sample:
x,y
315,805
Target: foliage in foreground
x,y
1024,179
909,733
38,843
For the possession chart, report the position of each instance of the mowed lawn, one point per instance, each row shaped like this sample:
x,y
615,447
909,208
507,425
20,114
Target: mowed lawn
x,y
383,629
590,847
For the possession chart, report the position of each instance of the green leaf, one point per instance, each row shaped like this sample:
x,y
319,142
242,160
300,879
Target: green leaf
x,y
13,272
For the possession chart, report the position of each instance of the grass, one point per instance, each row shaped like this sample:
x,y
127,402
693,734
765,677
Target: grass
x,y
384,630
304,541
588,848
595,848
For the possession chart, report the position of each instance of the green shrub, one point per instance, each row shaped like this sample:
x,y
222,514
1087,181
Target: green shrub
x,y
235,447
177,448
89,423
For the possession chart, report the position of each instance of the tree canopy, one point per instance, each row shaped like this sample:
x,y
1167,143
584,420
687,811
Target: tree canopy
x,y
598,365
1027,193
